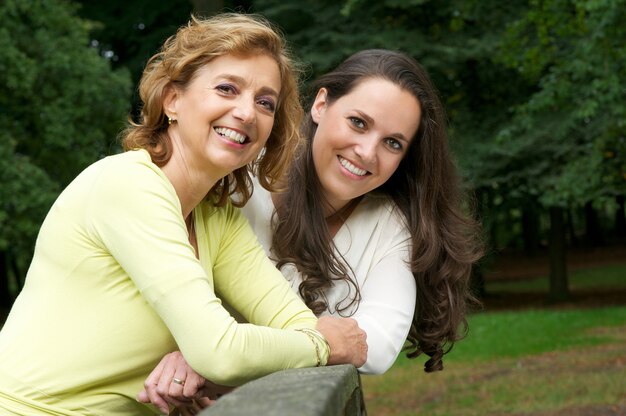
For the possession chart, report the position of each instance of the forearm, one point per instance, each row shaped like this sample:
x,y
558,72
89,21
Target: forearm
x,y
227,352
385,312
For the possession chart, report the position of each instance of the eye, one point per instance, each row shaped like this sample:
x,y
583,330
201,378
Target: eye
x,y
394,144
358,122
267,103
226,89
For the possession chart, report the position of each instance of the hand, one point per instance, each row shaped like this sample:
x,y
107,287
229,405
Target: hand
x,y
161,391
347,341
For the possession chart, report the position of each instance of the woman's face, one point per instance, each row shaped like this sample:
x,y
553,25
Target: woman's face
x,y
226,114
361,138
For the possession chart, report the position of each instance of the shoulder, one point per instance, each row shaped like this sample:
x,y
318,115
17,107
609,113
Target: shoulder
x,y
376,230
128,179
129,171
382,211
127,164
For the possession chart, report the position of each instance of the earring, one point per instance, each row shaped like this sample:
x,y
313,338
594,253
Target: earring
x,y
170,120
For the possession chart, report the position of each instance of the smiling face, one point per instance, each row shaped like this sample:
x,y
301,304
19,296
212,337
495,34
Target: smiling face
x,y
225,115
361,138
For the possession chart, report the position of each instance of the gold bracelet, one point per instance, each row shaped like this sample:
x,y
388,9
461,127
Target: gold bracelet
x,y
311,333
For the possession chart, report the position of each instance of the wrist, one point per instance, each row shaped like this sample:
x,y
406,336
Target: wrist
x,y
320,345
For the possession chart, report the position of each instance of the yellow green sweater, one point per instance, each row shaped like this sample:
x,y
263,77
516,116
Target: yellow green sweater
x,y
114,285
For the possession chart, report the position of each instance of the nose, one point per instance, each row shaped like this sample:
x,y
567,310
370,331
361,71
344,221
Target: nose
x,y
366,149
245,110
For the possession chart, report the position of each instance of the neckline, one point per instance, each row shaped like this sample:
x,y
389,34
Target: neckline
x,y
353,214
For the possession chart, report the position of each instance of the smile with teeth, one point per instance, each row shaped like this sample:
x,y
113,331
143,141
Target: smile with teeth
x,y
231,135
351,168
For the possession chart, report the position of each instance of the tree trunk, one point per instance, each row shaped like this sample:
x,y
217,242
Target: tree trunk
x,y
558,266
530,228
620,219
592,226
573,239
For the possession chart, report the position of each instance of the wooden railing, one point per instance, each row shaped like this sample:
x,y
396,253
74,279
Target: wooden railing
x,y
320,391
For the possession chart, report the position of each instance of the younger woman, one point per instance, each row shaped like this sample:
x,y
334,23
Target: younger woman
x,y
372,224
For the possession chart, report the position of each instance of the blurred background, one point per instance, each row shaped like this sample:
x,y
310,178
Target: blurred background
x,y
535,93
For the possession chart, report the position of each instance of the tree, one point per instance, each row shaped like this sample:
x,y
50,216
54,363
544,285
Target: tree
x,y
567,131
62,107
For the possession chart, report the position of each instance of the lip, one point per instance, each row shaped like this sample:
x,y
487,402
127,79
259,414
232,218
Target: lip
x,y
229,142
349,174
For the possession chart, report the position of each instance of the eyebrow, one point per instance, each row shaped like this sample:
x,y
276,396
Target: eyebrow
x,y
370,120
240,80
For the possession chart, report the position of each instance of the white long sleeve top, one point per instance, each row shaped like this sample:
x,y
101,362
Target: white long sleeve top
x,y
375,244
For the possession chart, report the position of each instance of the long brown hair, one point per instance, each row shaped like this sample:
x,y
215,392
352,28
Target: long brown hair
x,y
426,190
178,61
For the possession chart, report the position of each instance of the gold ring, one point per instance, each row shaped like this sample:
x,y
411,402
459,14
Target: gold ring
x,y
178,381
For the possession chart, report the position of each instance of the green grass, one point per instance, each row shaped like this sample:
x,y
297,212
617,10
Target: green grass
x,y
514,334
548,362
516,363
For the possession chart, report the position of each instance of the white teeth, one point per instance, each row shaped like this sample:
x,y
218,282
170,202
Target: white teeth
x,y
230,134
351,168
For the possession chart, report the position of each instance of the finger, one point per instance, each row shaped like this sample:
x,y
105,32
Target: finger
x,y
177,383
150,386
167,389
165,378
193,385
173,379
142,397
153,377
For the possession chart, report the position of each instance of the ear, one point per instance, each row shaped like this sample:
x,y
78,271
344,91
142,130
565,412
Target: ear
x,y
319,105
170,99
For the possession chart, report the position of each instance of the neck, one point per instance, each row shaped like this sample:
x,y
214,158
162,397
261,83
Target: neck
x,y
191,185
344,211
337,218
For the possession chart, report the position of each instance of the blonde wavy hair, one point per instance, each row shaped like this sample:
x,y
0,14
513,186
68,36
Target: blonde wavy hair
x,y
178,61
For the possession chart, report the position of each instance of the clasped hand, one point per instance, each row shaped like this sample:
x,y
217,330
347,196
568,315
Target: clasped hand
x,y
174,382
348,342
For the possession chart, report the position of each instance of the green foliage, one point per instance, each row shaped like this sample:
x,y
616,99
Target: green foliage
x,y
62,107
129,32
567,131
64,104
26,192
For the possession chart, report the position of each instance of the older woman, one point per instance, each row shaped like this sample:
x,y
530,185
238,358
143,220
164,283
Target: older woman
x,y
131,258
